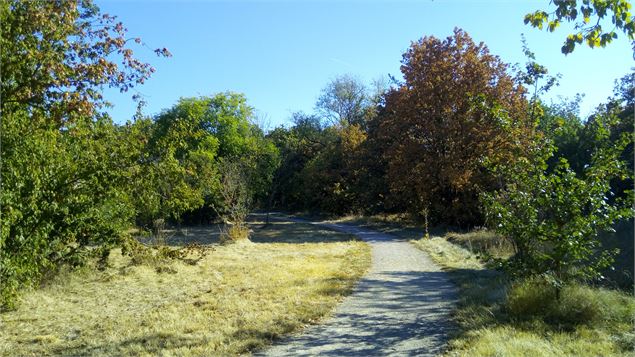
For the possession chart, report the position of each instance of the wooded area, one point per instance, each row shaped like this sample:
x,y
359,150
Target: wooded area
x,y
463,140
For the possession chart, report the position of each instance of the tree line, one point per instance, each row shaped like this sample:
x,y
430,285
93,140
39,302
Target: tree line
x,y
461,140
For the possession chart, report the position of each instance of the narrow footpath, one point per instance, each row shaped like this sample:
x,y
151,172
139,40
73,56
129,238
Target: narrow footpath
x,y
400,307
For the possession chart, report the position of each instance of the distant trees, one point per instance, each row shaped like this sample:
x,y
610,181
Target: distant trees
x,y
321,167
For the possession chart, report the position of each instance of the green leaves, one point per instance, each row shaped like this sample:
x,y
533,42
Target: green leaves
x,y
553,216
591,25
62,191
186,146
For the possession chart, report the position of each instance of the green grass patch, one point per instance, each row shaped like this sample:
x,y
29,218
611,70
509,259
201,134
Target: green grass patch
x,y
236,299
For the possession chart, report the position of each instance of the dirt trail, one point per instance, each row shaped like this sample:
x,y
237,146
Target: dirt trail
x,y
400,307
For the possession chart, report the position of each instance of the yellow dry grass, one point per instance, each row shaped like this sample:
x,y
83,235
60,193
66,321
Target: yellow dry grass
x,y
237,299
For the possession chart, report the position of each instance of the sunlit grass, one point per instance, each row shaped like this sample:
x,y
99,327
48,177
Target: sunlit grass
x,y
526,319
237,299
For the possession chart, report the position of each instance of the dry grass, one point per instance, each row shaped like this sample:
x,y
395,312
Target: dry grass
x,y
237,299
496,319
482,242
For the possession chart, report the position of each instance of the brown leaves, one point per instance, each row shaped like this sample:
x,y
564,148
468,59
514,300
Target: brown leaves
x,y
446,119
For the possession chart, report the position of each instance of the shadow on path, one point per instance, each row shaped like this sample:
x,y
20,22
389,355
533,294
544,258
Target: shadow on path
x,y
402,306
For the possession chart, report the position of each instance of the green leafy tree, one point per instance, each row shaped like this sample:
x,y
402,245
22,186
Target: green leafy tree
x,y
553,217
62,192
63,164
589,17
186,147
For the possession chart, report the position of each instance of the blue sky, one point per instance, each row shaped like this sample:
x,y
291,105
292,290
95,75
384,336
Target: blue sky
x,y
280,54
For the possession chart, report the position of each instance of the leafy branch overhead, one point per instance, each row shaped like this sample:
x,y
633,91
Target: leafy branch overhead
x,y
589,18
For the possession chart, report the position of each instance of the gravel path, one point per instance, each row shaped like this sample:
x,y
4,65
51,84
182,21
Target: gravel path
x,y
400,307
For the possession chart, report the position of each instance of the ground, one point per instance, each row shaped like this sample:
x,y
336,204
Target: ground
x,y
401,307
238,298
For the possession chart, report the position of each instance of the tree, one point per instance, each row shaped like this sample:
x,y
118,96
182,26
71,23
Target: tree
x,y
553,216
297,146
64,165
56,55
344,101
187,145
588,16
457,107
63,197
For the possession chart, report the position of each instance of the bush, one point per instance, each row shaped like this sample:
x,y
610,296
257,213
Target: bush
x,y
235,234
577,304
553,215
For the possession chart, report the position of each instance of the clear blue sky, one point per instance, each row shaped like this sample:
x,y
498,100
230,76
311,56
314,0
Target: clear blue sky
x,y
280,54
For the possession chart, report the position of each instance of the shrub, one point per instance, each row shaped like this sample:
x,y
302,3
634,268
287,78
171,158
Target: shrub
x,y
536,298
553,215
235,234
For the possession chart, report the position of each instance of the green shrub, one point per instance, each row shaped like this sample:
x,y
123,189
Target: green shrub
x,y
553,215
577,304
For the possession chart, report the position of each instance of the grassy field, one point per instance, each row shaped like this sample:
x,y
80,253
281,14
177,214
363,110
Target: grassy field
x,y
237,299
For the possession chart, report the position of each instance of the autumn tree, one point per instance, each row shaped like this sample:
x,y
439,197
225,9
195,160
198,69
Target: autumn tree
x,y
457,108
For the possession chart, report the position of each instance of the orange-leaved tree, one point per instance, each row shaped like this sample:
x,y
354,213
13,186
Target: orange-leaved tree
x,y
457,110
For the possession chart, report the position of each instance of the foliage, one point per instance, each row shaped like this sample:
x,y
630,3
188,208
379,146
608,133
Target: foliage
x,y
458,105
62,193
588,16
56,55
344,101
185,147
298,146
554,217
64,165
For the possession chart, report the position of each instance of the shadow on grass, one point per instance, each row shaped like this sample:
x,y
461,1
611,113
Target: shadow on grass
x,y
153,344
279,230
